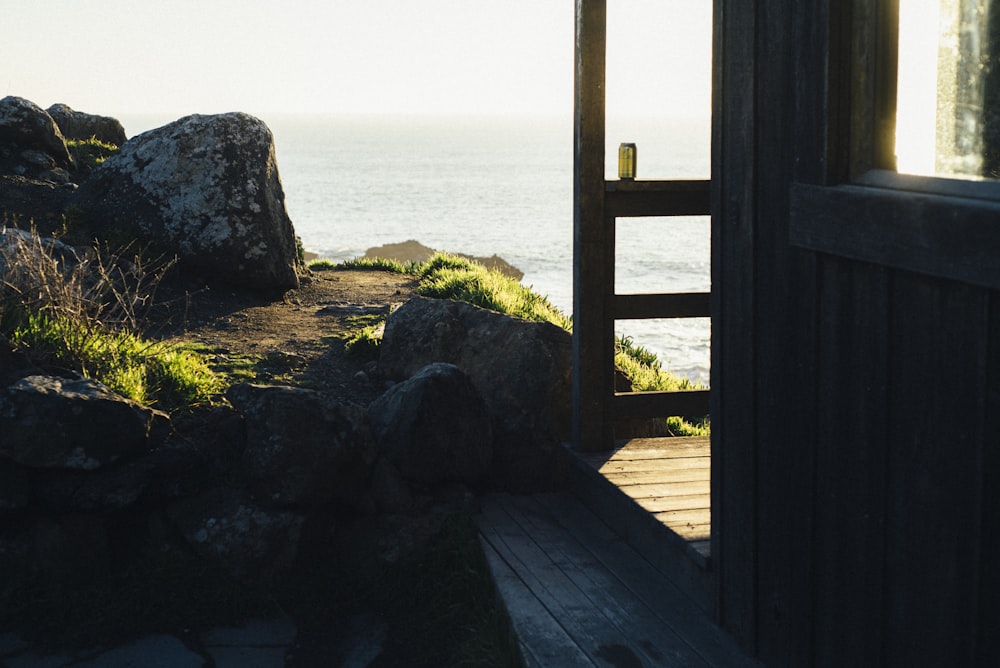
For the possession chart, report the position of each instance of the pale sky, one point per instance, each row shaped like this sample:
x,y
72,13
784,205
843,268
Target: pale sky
x,y
509,57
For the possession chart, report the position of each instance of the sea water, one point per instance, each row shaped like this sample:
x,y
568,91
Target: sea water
x,y
503,186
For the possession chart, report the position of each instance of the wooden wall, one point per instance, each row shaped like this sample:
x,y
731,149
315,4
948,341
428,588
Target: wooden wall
x,y
856,406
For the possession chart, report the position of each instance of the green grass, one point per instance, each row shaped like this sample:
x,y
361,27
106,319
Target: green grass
x,y
90,153
376,264
149,372
449,277
85,316
446,276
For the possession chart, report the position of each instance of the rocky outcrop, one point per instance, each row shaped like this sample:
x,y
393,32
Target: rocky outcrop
x,y
521,369
228,527
435,427
414,251
203,188
31,144
50,422
79,125
301,449
27,201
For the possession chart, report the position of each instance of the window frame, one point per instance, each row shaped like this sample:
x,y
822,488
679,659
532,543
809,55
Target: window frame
x,y
863,209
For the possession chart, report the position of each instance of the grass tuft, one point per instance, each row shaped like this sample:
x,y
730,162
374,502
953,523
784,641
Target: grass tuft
x,y
380,264
450,277
447,276
84,314
88,154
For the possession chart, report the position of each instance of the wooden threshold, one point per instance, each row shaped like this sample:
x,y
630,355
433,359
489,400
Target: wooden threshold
x,y
579,595
670,478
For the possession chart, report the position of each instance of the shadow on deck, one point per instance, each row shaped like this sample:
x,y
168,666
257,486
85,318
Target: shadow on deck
x,y
591,578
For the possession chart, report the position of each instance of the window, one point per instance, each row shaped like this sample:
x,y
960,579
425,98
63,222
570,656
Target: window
x,y
912,161
948,74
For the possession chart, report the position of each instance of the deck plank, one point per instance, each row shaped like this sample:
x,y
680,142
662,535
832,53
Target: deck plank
x,y
613,604
557,586
676,610
665,476
639,627
542,640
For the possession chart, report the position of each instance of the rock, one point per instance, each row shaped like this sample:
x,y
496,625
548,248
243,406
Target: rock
x,y
70,549
435,427
22,249
13,486
522,370
79,125
161,475
388,489
50,422
303,450
30,141
203,188
27,202
414,251
228,527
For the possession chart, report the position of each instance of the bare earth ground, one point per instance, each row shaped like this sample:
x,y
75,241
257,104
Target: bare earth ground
x,y
298,336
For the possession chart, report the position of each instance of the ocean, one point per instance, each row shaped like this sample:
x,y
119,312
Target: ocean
x,y
495,185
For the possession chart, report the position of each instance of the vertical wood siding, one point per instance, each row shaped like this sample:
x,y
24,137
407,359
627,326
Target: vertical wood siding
x,y
856,408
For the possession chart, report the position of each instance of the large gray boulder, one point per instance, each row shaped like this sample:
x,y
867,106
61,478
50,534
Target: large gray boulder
x,y
32,148
50,422
204,188
435,427
522,370
26,127
303,450
79,125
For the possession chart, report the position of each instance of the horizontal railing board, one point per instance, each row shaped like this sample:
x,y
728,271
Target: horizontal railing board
x,y
661,305
637,405
628,199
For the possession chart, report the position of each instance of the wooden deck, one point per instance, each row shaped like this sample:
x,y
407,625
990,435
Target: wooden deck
x,y
670,478
579,595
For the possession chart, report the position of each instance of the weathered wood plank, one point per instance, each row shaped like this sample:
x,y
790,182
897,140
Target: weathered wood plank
x,y
854,345
988,613
943,236
661,305
784,354
658,475
562,577
678,197
690,531
659,504
665,464
734,337
933,488
635,405
543,641
695,515
638,626
648,583
667,489
593,238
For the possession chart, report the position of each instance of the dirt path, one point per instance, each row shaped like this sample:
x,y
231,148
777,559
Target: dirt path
x,y
298,336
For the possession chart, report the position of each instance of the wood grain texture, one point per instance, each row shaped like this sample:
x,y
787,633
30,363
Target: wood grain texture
x,y
614,605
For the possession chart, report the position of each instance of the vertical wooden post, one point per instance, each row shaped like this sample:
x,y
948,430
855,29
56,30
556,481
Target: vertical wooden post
x,y
593,335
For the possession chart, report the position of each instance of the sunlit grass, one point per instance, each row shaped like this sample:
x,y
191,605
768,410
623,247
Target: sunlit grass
x,y
83,314
90,153
148,372
447,276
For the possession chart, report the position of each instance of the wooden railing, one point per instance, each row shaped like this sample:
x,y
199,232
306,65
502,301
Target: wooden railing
x,y
597,205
